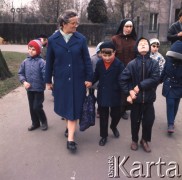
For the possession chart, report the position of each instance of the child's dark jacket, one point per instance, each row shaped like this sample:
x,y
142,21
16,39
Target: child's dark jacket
x,y
109,92
144,72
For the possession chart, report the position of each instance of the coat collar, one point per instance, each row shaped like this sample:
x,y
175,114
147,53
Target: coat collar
x,y
61,42
111,68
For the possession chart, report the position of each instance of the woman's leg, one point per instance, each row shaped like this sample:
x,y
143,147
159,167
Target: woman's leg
x,y
71,125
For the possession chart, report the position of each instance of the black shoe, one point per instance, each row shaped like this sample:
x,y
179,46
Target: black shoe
x,y
115,132
44,126
66,132
33,127
71,145
170,129
103,141
124,116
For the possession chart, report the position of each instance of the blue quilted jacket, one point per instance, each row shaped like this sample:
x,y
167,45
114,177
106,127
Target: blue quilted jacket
x,y
32,70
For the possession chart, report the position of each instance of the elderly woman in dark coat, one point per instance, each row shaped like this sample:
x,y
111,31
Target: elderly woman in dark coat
x,y
68,57
172,86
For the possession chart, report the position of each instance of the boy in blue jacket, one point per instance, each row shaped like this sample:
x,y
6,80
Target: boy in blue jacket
x,y
107,72
31,75
139,81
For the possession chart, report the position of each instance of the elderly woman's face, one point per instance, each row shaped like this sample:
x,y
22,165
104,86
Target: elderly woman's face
x,y
71,26
127,29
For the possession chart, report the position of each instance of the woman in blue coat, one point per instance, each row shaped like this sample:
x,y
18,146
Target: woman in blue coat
x,y
69,61
172,86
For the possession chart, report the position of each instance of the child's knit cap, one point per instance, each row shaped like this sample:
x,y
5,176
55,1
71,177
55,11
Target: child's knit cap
x,y
36,44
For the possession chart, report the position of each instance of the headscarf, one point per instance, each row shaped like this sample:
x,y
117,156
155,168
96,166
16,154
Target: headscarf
x,y
121,26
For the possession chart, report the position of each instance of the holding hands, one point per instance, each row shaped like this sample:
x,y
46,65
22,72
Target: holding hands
x,y
133,95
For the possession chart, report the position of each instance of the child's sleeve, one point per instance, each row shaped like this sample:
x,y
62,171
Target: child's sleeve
x,y
21,72
96,74
42,68
125,80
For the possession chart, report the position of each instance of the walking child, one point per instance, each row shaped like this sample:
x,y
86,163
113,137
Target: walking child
x,y
107,72
139,81
31,75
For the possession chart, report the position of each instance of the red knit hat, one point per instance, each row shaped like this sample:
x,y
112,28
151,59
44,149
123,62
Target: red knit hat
x,y
36,44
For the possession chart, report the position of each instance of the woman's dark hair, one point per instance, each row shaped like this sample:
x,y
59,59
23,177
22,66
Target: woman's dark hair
x,y
64,18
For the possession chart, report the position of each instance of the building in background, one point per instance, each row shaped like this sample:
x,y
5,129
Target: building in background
x,y
159,15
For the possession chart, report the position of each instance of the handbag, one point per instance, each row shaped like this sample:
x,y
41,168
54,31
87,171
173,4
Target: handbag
x,y
88,112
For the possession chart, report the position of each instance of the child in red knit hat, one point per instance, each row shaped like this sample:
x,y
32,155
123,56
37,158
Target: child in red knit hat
x,y
31,75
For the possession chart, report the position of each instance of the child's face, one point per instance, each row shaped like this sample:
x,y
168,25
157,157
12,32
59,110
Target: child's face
x,y
143,46
32,52
107,54
154,48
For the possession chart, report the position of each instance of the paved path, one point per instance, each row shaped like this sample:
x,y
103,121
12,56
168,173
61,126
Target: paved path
x,y
42,155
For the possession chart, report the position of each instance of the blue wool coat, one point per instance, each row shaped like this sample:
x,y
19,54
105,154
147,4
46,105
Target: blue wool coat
x,y
172,78
109,92
71,66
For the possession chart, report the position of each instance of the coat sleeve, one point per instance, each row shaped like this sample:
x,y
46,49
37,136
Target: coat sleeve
x,y
49,63
125,80
96,74
172,34
87,61
42,68
21,72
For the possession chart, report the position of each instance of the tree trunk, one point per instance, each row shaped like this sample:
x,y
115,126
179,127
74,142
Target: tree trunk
x,y
4,71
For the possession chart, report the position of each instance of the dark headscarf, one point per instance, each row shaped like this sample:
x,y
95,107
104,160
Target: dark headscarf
x,y
121,26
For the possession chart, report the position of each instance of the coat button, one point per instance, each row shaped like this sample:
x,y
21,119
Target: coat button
x,y
69,79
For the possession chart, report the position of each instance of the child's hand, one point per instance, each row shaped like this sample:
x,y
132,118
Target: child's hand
x,y
133,94
136,89
129,99
26,85
88,84
49,86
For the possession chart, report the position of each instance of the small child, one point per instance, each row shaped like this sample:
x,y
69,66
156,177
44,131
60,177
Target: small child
x,y
139,81
155,44
107,72
31,75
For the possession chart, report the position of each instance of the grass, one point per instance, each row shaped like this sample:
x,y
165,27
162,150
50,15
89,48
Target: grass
x,y
13,60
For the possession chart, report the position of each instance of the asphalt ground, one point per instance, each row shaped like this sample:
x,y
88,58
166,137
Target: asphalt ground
x,y
43,155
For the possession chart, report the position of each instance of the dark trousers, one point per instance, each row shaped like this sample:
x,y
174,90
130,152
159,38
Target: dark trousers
x,y
124,104
172,109
37,113
145,114
104,119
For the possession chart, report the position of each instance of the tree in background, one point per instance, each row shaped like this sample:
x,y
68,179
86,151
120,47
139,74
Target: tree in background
x,y
121,9
4,70
97,11
51,9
